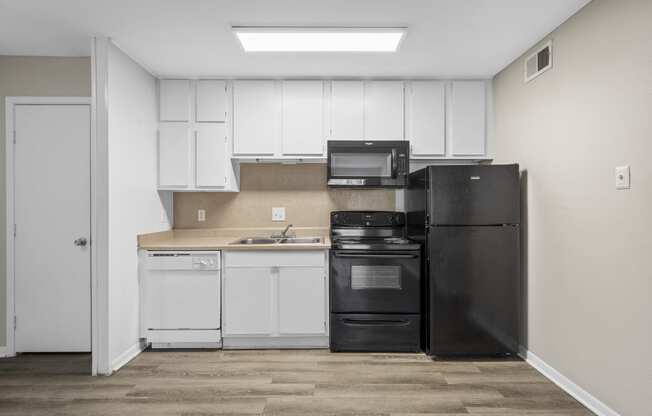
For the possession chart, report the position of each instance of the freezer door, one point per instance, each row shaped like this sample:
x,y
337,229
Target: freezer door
x,y
474,195
473,290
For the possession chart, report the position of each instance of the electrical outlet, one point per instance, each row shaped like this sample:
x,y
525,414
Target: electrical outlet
x,y
278,214
201,215
622,177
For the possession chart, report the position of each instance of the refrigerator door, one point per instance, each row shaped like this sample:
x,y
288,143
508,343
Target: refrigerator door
x,y
473,290
474,195
416,205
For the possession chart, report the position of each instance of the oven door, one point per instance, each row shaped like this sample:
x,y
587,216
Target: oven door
x,y
375,282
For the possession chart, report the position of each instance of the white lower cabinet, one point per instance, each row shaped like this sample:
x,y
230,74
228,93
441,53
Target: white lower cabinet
x,y
302,304
247,306
275,299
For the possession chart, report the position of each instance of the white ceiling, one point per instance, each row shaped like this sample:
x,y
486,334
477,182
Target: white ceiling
x,y
446,38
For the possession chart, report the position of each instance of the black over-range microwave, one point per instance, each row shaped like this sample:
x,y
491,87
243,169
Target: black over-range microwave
x,y
368,164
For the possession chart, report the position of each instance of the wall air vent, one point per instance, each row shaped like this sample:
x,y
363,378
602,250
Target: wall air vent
x,y
538,62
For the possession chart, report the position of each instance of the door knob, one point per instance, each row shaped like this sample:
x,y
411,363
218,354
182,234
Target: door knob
x,y
81,242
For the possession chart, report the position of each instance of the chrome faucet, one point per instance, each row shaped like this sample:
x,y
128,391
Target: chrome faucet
x,y
284,233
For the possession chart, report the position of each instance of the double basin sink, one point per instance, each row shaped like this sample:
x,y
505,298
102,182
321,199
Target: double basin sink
x,y
278,240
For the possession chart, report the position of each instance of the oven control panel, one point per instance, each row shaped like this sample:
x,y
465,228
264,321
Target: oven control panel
x,y
367,219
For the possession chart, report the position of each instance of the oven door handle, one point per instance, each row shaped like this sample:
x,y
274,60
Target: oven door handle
x,y
377,256
375,322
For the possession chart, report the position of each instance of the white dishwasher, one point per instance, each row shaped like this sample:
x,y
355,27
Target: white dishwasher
x,y
182,299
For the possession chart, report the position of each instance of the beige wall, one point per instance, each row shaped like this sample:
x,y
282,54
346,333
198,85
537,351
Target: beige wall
x,y
589,245
301,189
33,76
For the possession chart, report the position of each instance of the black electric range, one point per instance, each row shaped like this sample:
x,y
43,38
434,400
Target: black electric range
x,y
375,283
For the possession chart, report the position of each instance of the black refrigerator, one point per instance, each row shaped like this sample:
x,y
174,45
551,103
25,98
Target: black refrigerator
x,y
467,219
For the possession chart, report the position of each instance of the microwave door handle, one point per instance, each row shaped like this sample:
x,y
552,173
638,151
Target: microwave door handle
x,y
394,164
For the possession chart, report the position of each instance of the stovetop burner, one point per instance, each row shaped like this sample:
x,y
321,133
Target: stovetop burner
x,y
376,230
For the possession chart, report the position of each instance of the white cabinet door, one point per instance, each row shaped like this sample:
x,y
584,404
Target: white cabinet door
x,y
468,113
211,101
174,100
427,118
173,155
383,110
302,301
256,118
302,118
210,155
247,301
347,110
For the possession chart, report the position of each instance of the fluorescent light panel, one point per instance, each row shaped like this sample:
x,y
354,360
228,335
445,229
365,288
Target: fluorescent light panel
x,y
319,39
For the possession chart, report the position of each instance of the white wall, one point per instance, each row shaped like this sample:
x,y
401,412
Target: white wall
x,y
135,206
589,246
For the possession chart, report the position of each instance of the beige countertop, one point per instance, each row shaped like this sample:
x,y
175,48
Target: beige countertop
x,y
221,239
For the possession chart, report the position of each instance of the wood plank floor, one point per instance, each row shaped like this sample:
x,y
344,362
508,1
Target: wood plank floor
x,y
272,382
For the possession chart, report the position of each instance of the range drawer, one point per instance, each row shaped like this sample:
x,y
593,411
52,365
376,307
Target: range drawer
x,y
375,332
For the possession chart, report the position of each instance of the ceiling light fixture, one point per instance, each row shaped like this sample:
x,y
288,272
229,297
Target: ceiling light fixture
x,y
319,39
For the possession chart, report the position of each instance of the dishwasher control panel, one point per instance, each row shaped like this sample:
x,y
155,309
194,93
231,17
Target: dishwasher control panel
x,y
183,260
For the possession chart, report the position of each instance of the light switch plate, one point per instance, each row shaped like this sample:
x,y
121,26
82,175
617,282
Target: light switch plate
x,y
278,213
622,177
201,215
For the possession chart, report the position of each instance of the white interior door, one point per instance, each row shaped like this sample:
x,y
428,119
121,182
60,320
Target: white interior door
x,y
52,284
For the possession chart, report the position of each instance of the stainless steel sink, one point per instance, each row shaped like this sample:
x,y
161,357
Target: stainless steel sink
x,y
300,240
287,240
255,240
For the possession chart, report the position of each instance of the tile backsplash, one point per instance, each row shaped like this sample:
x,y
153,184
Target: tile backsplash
x,y
301,189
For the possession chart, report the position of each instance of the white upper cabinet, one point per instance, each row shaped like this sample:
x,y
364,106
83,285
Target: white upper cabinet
x,y
173,155
256,118
468,118
426,125
383,110
211,101
303,114
347,110
210,156
174,100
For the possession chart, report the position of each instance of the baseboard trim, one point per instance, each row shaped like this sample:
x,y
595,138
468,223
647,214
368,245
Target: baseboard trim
x,y
129,354
234,343
581,395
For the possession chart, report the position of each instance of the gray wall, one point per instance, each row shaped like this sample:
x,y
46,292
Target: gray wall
x,y
589,245
34,76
